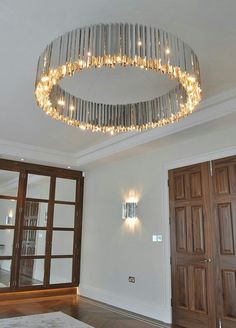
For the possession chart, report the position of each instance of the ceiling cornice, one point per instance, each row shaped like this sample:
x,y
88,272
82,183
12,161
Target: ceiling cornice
x,y
210,109
31,153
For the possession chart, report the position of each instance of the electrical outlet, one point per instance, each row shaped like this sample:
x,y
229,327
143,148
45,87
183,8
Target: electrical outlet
x,y
132,279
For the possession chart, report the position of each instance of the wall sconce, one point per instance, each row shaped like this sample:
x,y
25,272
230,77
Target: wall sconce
x,y
129,210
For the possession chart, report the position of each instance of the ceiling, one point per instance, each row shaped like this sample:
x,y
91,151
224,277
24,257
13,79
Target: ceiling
x,y
27,26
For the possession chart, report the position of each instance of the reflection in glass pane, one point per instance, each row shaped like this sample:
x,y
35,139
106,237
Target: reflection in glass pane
x,y
31,272
38,186
62,242
9,183
64,216
6,242
5,273
35,214
65,190
61,271
33,242
7,211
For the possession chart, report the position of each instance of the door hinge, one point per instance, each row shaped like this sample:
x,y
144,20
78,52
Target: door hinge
x,y
171,302
170,260
211,169
168,182
169,220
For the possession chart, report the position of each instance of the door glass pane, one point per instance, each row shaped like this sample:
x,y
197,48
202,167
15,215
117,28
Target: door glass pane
x,y
6,242
33,242
31,272
9,183
5,273
65,190
61,271
35,214
38,186
62,242
64,216
7,211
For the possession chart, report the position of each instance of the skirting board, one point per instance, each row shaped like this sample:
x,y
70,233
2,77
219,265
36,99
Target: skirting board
x,y
128,304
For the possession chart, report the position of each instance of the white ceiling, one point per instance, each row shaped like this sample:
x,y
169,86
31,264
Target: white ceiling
x,y
27,26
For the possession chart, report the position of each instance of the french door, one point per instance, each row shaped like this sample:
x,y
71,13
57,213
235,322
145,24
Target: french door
x,y
203,243
40,226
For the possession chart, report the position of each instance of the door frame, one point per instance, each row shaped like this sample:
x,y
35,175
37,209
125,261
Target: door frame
x,y
187,161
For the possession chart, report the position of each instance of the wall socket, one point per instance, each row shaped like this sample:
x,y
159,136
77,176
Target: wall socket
x,y
132,279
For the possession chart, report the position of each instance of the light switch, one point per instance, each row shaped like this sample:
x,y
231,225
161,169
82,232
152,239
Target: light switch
x,y
157,238
154,238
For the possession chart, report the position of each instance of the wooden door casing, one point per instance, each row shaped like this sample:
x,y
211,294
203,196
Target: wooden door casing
x,y
224,213
191,229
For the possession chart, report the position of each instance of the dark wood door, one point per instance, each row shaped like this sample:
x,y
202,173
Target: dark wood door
x,y
192,250
224,213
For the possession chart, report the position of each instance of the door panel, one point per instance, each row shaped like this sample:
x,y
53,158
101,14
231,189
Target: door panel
x,y
192,275
198,229
181,229
224,213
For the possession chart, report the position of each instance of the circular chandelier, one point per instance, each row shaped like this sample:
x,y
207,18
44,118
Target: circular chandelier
x,y
109,45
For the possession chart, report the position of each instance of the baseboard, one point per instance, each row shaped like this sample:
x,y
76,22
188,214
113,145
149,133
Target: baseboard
x,y
24,295
128,304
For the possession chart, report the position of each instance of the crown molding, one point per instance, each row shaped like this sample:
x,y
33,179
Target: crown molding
x,y
210,109
40,155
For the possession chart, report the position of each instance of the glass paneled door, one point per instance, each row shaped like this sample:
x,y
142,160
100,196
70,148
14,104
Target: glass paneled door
x,y
40,226
34,231
63,232
8,205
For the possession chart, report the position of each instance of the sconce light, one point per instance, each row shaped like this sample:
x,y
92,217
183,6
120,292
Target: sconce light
x,y
129,210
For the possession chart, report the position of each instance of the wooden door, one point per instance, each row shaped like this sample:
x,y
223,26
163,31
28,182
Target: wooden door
x,y
224,214
192,252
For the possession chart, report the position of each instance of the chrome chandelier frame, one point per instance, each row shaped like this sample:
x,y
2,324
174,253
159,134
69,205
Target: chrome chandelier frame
x,y
121,44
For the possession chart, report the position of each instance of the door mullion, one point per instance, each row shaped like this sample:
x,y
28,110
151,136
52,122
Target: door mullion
x,y
48,250
18,229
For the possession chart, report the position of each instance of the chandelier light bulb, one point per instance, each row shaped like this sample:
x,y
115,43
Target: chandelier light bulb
x,y
61,102
167,51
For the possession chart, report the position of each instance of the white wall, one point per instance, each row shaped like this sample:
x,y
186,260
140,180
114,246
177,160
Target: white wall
x,y
112,250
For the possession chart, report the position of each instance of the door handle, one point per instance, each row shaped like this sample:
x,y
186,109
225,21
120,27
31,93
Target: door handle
x,y
206,260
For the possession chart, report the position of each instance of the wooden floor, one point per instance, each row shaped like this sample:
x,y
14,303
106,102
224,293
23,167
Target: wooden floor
x,y
93,313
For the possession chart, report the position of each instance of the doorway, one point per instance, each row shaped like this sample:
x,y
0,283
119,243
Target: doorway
x,y
203,244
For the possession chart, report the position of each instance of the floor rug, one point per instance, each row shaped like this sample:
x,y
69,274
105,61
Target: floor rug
x,y
46,320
